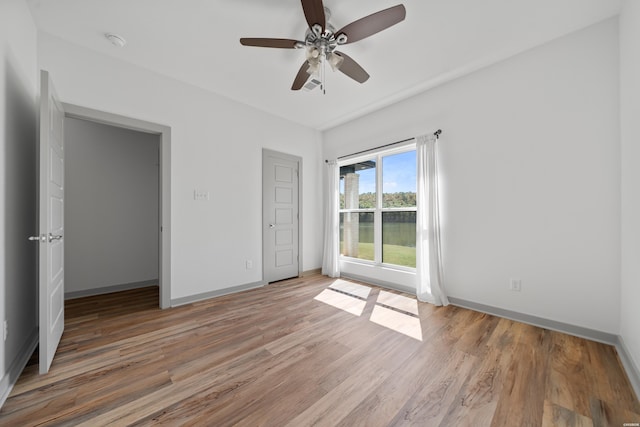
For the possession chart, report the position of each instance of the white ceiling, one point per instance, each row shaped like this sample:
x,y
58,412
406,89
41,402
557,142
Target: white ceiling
x,y
196,41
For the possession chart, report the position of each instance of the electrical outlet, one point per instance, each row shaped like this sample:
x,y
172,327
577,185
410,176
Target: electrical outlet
x,y
515,285
5,330
249,264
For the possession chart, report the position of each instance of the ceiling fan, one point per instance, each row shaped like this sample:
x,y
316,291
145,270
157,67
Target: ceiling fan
x,y
322,39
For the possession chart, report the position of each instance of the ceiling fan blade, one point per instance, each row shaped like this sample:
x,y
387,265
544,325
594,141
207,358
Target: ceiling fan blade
x,y
277,43
301,77
352,69
314,13
372,24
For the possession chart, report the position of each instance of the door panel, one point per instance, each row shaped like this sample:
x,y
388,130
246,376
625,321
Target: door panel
x,y
51,222
280,216
284,216
284,237
283,195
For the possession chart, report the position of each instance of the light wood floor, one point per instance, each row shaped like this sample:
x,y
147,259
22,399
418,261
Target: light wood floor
x,y
293,353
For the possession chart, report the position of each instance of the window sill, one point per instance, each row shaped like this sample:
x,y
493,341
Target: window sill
x,y
404,277
392,267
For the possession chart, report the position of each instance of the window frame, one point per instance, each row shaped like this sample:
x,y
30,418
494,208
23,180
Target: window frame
x,y
378,156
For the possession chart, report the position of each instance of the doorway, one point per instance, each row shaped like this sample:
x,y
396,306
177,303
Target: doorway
x,y
281,216
161,135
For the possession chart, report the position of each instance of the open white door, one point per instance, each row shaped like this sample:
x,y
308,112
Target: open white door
x,y
51,267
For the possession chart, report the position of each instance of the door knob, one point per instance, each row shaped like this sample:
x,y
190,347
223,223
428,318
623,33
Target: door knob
x,y
272,226
53,237
41,238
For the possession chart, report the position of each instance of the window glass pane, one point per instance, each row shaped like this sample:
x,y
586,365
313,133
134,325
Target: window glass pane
x,y
399,180
358,185
356,235
399,238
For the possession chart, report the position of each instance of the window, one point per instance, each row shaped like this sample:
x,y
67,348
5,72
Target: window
x,y
378,208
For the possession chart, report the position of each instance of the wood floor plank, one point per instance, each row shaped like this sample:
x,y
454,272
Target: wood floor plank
x,y
274,398
477,399
557,416
415,395
277,356
569,385
605,414
476,333
610,382
521,401
333,406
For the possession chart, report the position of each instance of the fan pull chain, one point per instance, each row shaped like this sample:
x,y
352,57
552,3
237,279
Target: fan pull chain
x,y
324,73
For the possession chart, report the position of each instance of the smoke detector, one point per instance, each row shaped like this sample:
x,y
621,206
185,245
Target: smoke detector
x,y
116,40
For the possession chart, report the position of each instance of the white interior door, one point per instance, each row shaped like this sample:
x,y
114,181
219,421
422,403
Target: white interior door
x,y
280,216
51,223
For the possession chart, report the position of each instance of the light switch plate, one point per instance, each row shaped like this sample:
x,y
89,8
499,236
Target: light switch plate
x,y
200,195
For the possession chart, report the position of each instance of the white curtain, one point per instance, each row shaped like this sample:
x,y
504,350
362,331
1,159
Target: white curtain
x,y
428,254
330,265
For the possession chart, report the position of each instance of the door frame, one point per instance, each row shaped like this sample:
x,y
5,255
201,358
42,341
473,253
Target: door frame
x,y
266,153
164,132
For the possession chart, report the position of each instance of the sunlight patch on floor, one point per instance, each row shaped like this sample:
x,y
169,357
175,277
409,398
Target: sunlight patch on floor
x,y
343,302
397,321
354,289
396,312
399,302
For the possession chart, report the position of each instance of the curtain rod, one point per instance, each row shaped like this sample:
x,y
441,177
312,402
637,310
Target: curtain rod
x,y
436,134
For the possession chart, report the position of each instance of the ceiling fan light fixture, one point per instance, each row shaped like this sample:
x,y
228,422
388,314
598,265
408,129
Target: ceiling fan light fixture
x,y
314,68
313,53
321,39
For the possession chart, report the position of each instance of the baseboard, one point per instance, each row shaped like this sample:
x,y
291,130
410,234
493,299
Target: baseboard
x,y
313,272
17,366
110,289
380,283
632,370
217,293
578,331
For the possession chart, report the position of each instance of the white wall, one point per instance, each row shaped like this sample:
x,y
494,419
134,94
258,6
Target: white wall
x,y
530,168
111,206
18,144
216,146
630,137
